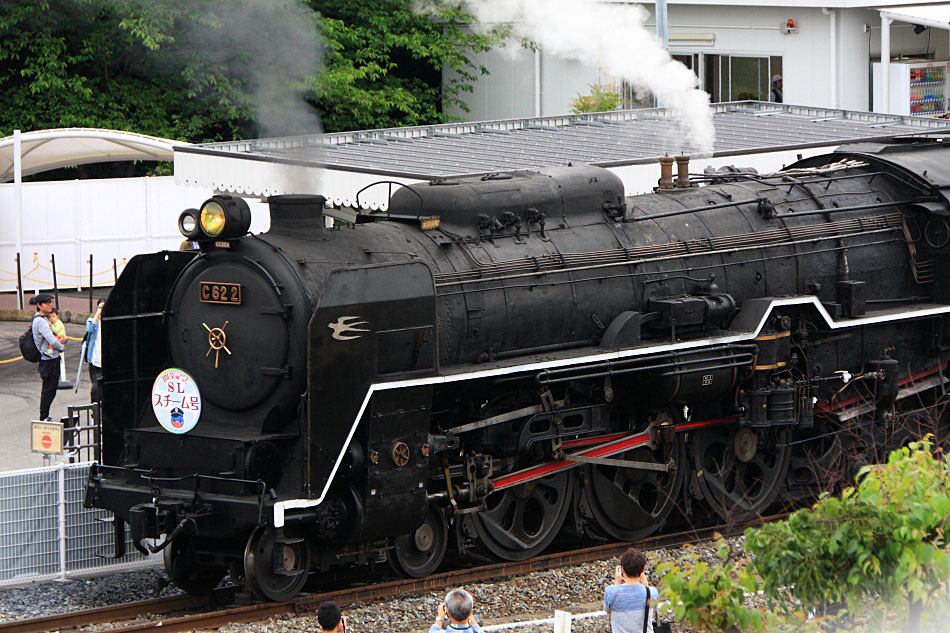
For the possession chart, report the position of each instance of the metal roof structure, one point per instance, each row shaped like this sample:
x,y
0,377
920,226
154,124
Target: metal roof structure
x,y
609,139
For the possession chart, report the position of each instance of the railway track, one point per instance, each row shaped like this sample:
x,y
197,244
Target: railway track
x,y
308,603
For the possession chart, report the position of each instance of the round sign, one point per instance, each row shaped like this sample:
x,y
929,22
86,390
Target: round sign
x,y
46,441
176,400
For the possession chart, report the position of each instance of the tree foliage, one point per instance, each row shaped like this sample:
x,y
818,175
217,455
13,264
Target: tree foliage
x,y
883,540
206,70
602,98
711,597
384,62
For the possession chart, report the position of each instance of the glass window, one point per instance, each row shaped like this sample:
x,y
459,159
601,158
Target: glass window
x,y
739,77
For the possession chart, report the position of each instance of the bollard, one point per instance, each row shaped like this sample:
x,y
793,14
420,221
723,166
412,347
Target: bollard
x,y
562,622
19,284
90,282
52,259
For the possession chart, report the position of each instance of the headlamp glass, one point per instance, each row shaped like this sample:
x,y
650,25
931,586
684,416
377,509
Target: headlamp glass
x,y
212,218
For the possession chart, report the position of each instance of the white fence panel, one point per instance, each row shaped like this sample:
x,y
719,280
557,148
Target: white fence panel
x,y
46,533
110,218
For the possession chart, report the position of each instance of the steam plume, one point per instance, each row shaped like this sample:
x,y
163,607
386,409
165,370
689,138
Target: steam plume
x,y
611,36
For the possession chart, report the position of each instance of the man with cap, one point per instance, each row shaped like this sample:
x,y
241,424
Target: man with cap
x,y
775,95
49,346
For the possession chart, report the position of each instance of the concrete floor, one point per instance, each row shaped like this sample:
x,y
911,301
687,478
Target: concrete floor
x,y
20,394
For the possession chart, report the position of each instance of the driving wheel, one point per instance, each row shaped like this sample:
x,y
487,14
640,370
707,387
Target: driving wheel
x,y
741,470
519,522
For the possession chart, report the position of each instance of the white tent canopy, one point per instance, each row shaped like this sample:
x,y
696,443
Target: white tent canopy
x,y
51,149
32,152
936,16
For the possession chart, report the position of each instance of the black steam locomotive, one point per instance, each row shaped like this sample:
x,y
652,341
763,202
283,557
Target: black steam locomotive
x,y
496,359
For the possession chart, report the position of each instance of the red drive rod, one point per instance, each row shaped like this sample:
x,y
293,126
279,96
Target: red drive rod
x,y
608,445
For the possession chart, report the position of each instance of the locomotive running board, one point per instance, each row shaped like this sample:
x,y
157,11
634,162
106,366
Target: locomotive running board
x,y
748,324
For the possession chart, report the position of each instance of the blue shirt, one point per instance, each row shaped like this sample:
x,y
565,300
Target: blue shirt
x,y
92,329
454,628
43,338
624,604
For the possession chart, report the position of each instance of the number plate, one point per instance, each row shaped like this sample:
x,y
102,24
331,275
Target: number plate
x,y
217,292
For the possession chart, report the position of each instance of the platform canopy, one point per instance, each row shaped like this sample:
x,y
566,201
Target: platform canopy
x,y
51,149
932,15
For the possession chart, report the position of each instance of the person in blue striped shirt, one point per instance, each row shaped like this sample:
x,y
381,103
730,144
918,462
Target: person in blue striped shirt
x,y
626,600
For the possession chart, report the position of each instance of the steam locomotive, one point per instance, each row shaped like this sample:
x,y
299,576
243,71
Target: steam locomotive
x,y
496,359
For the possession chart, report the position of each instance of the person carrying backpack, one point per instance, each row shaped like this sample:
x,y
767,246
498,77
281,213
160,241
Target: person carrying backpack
x,y
49,346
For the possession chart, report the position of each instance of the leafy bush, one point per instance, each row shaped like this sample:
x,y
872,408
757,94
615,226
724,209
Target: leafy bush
x,y
602,98
711,597
884,539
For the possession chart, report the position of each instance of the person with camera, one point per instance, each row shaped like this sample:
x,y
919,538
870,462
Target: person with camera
x,y
330,618
627,601
458,607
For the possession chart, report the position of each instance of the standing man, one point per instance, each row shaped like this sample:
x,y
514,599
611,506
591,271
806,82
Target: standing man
x,y
94,352
458,607
49,346
775,96
626,602
330,618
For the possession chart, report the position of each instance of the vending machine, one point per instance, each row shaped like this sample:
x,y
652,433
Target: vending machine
x,y
917,88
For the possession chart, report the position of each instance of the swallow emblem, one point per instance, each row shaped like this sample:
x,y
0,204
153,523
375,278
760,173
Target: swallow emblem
x,y
344,325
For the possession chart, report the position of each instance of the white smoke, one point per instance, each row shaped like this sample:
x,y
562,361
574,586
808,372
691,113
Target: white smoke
x,y
613,37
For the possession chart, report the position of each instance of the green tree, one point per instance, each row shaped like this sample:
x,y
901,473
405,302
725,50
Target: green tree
x,y
112,64
384,62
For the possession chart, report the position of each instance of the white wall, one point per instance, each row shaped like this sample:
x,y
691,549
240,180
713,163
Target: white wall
x,y
747,31
109,218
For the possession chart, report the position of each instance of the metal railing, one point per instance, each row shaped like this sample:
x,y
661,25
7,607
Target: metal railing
x,y
82,441
47,534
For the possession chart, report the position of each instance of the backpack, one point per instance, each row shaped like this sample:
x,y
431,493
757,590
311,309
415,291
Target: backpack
x,y
28,346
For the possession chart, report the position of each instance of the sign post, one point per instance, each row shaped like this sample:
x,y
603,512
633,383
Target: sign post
x,y
46,438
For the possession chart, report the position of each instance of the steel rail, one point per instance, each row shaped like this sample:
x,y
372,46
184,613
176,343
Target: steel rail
x,y
308,604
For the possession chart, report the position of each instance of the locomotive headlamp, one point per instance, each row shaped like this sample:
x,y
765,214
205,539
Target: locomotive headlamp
x,y
213,219
188,224
224,217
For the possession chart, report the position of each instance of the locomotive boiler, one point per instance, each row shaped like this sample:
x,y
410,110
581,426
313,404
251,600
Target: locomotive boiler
x,y
498,359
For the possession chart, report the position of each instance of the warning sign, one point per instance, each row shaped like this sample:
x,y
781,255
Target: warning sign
x,y
176,400
47,437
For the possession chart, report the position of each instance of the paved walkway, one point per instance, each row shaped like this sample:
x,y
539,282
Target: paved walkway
x,y
20,393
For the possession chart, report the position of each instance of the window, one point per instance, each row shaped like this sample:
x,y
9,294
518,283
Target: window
x,y
739,77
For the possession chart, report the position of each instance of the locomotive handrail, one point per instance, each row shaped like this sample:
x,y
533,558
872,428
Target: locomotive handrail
x,y
390,194
708,207
857,207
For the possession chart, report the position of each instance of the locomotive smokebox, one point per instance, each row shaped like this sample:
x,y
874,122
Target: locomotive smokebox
x,y
291,213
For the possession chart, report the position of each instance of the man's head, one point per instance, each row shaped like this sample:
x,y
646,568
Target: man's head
x,y
777,81
330,617
458,605
43,302
633,562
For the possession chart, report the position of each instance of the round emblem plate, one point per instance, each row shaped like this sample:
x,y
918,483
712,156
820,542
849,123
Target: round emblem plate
x,y
176,400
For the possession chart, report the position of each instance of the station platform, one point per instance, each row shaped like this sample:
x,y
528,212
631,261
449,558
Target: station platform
x,y
20,391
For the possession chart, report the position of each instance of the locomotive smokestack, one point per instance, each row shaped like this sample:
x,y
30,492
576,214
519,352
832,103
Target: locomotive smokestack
x,y
290,213
666,172
682,168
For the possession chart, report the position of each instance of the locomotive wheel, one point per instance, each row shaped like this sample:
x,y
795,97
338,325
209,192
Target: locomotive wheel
x,y
262,579
184,571
741,470
628,504
420,553
521,521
